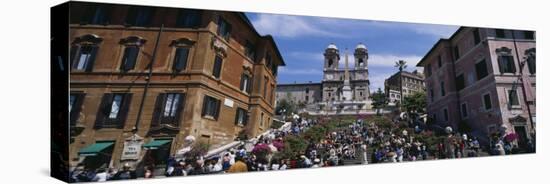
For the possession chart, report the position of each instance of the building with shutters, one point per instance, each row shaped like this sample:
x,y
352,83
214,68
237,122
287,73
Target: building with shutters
x,y
483,81
213,78
413,82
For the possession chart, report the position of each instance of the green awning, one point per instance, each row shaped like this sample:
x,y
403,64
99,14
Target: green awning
x,y
93,149
155,144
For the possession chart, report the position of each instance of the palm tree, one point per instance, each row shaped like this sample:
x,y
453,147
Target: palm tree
x,y
401,65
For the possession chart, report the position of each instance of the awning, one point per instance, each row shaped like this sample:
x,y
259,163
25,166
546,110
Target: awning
x,y
155,144
93,149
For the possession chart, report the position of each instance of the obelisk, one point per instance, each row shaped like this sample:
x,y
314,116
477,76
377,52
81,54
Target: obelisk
x,y
346,90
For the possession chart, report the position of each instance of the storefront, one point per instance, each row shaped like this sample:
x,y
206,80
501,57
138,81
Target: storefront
x,y
157,153
97,155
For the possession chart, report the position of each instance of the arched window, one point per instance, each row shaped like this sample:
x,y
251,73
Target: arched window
x,y
83,52
132,46
330,62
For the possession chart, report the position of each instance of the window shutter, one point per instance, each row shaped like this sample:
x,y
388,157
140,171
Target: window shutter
x,y
123,114
73,53
103,110
77,106
500,64
180,61
237,116
129,59
204,105
216,109
157,112
179,109
91,60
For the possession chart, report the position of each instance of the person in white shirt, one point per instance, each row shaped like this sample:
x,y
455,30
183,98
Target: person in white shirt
x,y
101,175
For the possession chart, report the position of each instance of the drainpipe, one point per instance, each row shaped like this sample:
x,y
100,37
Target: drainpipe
x,y
148,80
522,82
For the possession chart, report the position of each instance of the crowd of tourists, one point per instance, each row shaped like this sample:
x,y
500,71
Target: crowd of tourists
x,y
358,142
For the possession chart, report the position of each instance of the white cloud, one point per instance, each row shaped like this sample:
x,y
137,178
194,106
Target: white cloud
x,y
388,60
289,26
296,26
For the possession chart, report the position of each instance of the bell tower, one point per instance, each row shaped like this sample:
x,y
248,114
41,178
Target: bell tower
x,y
332,57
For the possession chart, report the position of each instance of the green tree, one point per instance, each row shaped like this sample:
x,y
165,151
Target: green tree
x,y
379,100
415,102
285,107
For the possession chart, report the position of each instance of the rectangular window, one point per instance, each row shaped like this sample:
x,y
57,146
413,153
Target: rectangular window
x,y
506,64
439,61
476,36
445,115
96,14
140,16
262,120
75,104
530,35
513,97
460,83
428,70
272,91
216,72
129,58
180,60
224,28
85,57
188,18
265,87
241,117
113,110
500,33
481,70
456,52
250,50
464,110
171,104
210,107
487,101
307,99
442,87
245,83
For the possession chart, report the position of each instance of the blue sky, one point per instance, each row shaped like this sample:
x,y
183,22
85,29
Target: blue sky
x,y
303,39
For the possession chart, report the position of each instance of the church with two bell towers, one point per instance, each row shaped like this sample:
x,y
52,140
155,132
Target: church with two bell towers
x,y
344,88
347,83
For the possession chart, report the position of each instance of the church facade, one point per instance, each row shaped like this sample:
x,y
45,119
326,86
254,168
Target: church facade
x,y
342,88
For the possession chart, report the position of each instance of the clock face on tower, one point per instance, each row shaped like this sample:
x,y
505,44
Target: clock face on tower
x,y
329,76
